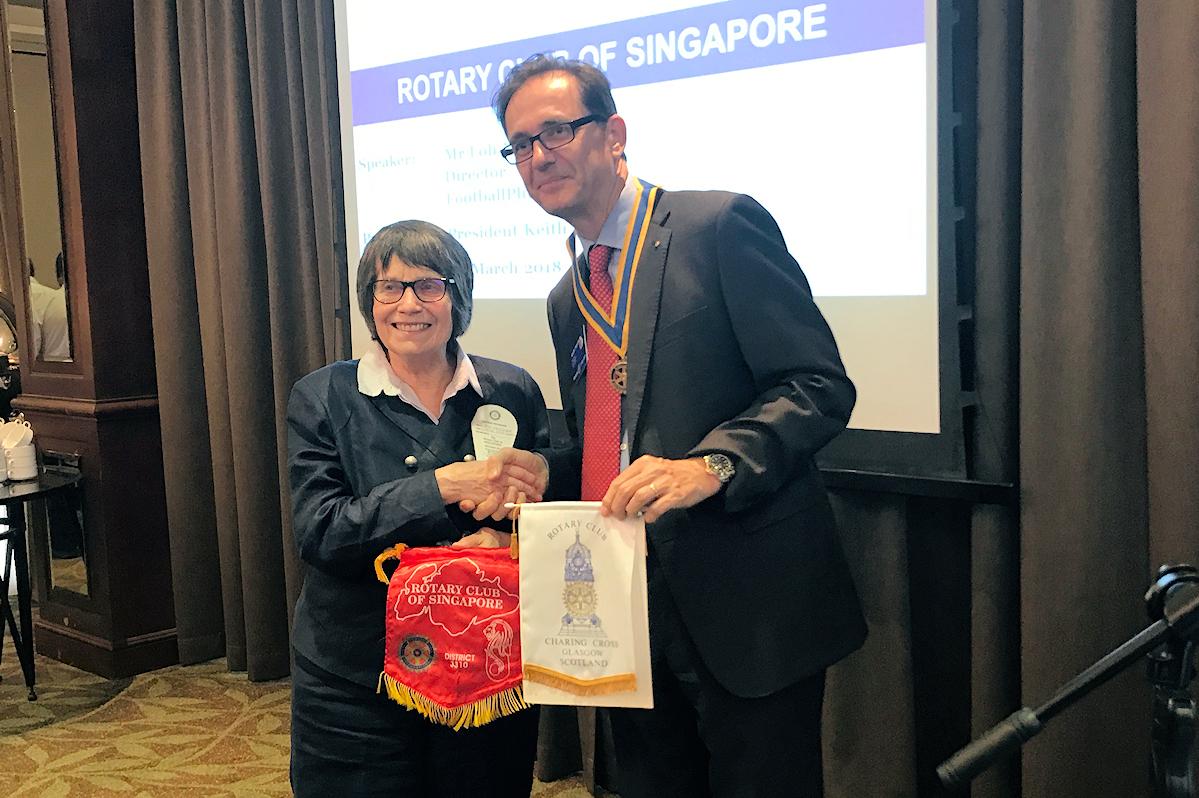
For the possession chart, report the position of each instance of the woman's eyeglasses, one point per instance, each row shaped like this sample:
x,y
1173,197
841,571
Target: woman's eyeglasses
x,y
427,289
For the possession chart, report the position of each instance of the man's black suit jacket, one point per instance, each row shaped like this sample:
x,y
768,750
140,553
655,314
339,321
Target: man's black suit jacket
x,y
728,353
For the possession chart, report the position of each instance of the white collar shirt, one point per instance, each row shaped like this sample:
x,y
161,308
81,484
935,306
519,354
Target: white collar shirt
x,y
375,377
612,233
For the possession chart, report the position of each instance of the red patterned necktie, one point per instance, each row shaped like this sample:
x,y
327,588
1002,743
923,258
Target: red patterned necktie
x,y
601,416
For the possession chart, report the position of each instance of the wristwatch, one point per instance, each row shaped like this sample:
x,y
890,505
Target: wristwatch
x,y
720,466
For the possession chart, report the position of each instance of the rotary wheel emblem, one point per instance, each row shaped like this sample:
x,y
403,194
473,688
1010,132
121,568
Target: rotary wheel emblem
x,y
416,653
618,375
579,599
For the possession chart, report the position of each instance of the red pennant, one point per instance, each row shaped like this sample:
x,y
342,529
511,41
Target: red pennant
x,y
453,635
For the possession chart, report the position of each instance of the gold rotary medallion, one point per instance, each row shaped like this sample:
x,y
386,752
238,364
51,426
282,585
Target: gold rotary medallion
x,y
579,598
618,375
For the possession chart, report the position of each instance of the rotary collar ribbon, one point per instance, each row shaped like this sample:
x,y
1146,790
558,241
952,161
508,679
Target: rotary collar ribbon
x,y
612,323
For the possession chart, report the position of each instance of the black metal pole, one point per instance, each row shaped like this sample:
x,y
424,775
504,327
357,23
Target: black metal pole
x,y
1173,599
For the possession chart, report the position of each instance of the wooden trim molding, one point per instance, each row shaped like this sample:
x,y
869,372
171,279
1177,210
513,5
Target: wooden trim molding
x,y
103,643
89,408
110,659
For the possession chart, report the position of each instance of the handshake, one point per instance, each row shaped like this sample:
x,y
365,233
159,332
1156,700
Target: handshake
x,y
483,488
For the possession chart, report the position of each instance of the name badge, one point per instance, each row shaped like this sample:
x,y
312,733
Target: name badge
x,y
578,358
493,428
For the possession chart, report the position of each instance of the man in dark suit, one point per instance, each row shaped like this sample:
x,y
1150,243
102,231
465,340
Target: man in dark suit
x,y
698,380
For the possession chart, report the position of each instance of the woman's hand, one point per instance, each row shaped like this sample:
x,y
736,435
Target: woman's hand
x,y
485,538
483,487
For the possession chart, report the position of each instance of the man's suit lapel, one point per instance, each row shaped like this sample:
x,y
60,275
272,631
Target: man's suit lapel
x,y
578,388
568,327
643,318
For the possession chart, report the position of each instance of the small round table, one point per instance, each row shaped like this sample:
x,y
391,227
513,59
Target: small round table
x,y
13,496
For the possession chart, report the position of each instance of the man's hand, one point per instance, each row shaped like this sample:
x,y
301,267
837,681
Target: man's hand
x,y
483,487
653,485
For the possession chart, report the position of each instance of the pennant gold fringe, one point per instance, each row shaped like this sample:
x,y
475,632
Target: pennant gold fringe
x,y
468,716
605,685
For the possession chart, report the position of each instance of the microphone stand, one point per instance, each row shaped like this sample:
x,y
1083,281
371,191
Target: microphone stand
x,y
1173,605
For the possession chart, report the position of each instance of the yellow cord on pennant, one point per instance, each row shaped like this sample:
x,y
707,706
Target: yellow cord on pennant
x,y
514,541
392,553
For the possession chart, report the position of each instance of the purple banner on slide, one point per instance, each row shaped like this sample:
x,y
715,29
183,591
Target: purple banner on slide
x,y
723,37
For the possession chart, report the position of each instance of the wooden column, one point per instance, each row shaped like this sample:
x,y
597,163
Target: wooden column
x,y
103,403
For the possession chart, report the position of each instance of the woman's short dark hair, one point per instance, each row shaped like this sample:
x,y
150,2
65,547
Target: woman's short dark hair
x,y
418,244
594,88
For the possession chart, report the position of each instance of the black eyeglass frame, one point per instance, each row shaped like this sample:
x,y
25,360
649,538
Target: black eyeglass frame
x,y
509,152
446,282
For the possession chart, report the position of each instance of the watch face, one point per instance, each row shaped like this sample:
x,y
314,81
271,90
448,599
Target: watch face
x,y
719,466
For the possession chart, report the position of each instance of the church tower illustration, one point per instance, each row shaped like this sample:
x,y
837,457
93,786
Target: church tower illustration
x,y
578,596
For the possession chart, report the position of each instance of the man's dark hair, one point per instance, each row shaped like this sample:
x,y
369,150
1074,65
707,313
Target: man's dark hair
x,y
594,88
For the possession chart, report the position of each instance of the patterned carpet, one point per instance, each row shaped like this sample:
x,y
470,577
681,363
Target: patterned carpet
x,y
187,731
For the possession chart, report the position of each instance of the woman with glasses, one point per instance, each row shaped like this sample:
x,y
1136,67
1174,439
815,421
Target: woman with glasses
x,y
380,453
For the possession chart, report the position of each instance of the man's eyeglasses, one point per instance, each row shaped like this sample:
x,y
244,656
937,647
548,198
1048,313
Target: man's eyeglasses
x,y
427,289
552,137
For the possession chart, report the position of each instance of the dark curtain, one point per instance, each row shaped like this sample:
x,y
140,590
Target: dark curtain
x,y
242,178
939,578
1083,398
1086,349
994,531
870,712
1167,42
1089,185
